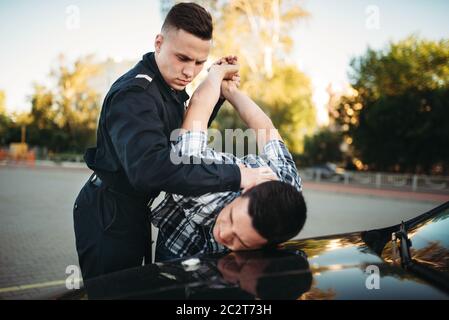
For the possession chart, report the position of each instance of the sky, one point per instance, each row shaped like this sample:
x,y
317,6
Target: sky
x,y
338,30
33,33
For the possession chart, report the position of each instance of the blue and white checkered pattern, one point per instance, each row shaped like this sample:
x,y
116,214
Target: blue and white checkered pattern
x,y
186,223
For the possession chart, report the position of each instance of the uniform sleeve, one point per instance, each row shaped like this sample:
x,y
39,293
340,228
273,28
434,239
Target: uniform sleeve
x,y
202,209
215,111
143,148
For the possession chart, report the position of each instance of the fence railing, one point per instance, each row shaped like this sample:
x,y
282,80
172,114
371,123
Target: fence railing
x,y
410,182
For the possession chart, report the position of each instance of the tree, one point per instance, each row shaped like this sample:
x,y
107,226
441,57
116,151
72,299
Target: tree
x,y
287,99
2,103
43,130
77,104
5,121
408,65
259,33
65,118
397,119
322,147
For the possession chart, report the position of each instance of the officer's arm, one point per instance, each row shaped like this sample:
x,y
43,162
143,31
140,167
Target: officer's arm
x,y
137,134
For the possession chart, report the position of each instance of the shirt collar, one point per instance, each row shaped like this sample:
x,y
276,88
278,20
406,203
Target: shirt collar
x,y
149,61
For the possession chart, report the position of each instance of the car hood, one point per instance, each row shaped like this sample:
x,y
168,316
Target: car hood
x,y
358,265
346,267
332,267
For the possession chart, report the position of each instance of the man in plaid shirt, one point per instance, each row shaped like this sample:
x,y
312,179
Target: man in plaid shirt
x,y
266,214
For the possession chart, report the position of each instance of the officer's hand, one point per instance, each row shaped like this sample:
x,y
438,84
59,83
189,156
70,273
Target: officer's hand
x,y
251,177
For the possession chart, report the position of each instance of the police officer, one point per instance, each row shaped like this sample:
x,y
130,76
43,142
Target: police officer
x,y
131,161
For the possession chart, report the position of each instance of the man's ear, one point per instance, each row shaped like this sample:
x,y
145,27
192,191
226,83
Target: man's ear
x,y
158,42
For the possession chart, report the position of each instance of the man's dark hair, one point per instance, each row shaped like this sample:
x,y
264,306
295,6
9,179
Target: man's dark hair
x,y
277,209
191,18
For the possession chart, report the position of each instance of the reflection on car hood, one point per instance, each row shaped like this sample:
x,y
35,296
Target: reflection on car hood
x,y
333,267
347,266
341,268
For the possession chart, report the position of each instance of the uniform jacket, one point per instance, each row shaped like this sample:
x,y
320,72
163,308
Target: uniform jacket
x,y
132,154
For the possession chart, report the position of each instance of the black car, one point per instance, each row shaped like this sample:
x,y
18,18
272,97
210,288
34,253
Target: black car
x,y
406,261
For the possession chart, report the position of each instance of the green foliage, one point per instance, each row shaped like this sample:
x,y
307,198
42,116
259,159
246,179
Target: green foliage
x,y
65,118
259,33
286,98
322,147
2,102
398,117
407,132
411,64
5,121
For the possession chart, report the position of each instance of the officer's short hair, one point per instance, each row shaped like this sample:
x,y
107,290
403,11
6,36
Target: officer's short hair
x,y
191,18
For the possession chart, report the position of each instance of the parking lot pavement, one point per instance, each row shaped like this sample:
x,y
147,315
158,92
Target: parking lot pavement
x,y
37,241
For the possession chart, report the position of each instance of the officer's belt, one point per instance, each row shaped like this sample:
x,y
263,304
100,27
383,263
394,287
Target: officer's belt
x,y
124,188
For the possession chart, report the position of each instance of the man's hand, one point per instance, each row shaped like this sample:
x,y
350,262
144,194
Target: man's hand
x,y
228,60
229,87
224,71
251,177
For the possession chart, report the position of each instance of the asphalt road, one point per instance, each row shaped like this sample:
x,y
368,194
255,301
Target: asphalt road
x,y
36,226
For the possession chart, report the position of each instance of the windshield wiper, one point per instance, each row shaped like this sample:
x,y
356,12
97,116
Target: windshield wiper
x,y
439,279
404,245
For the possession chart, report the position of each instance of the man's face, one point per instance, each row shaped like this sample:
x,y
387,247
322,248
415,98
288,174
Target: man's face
x,y
243,270
233,227
180,56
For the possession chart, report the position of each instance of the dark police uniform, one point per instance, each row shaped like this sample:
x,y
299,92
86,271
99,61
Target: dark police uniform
x,y
131,165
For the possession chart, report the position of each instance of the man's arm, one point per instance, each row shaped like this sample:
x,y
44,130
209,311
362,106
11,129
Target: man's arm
x,y
200,109
252,115
268,138
281,161
197,209
201,105
138,136
230,60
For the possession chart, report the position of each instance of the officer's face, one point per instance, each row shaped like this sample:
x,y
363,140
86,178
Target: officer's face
x,y
180,56
233,227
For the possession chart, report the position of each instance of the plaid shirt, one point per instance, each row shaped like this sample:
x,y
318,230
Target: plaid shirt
x,y
186,223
